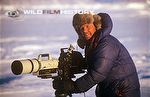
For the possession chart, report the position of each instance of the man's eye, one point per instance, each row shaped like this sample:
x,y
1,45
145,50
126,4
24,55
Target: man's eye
x,y
82,29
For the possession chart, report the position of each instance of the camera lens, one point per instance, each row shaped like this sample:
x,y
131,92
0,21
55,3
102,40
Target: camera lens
x,y
17,67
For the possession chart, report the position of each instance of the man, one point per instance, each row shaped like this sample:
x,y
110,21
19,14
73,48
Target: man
x,y
109,64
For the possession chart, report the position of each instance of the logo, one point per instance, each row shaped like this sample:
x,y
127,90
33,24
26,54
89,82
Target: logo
x,y
17,13
14,13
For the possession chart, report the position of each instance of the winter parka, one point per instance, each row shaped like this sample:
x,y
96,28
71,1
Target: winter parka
x,y
110,66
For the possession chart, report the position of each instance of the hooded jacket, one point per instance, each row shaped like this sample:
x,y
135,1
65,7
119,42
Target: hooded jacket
x,y
109,65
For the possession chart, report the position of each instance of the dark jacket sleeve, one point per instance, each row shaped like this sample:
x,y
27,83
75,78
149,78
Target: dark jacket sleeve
x,y
102,58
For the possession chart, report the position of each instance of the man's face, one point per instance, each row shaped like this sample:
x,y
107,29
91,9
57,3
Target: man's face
x,y
86,31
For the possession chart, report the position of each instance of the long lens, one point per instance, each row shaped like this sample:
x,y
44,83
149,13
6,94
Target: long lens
x,y
25,66
32,65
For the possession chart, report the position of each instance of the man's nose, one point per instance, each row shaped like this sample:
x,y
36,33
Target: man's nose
x,y
84,29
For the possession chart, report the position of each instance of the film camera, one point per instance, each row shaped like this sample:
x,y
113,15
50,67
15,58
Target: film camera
x,y
68,64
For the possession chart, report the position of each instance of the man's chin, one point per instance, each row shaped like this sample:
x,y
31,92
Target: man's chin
x,y
87,38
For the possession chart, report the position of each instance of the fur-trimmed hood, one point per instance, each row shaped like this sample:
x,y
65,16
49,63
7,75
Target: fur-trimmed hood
x,y
107,24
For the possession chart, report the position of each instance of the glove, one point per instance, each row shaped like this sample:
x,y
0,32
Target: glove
x,y
63,85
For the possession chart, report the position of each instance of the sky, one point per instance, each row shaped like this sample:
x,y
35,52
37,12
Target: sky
x,y
130,18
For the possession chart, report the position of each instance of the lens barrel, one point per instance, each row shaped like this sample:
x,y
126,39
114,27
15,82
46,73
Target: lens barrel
x,y
25,66
28,66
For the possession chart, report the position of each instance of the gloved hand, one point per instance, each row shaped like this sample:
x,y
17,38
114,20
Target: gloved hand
x,y
63,85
